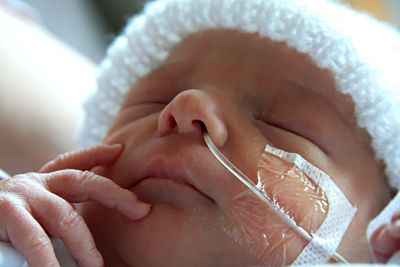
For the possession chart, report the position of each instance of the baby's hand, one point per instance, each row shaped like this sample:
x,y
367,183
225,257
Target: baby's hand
x,y
385,242
34,205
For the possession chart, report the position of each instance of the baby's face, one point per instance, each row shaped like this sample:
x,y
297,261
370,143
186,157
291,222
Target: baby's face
x,y
248,92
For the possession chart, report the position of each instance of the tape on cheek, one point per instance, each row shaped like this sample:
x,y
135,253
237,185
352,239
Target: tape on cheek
x,y
288,187
259,229
255,227
340,213
301,191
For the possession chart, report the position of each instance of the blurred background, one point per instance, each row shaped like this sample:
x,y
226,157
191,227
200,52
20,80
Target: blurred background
x,y
89,25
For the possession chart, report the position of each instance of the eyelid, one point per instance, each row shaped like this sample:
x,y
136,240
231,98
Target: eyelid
x,y
277,125
316,143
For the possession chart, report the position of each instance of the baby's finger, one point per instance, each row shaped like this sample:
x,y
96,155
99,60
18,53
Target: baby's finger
x,y
61,220
79,186
27,236
384,243
85,159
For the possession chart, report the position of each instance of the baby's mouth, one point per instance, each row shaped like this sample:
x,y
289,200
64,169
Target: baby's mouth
x,y
168,182
163,190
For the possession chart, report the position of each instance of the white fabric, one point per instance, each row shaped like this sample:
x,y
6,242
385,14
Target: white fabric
x,y
10,257
362,53
340,213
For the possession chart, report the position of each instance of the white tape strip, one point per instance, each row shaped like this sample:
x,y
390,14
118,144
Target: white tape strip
x,y
340,213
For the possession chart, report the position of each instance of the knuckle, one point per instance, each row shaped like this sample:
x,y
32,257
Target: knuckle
x,y
23,183
30,176
64,176
87,177
71,220
7,205
92,252
115,201
119,191
91,249
38,245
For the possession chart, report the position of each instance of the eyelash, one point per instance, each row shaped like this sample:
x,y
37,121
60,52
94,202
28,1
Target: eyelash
x,y
286,129
278,126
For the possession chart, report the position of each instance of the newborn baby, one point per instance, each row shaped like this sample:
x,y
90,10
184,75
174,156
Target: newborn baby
x,y
250,73
248,92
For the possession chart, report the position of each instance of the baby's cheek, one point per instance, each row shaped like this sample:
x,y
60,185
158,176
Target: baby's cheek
x,y
256,227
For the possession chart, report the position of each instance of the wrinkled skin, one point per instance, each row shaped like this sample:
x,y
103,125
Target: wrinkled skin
x,y
248,92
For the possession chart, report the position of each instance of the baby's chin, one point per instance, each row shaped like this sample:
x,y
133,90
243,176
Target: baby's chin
x,y
168,236
198,234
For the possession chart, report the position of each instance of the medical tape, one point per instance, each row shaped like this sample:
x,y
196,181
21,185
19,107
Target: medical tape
x,y
323,244
340,213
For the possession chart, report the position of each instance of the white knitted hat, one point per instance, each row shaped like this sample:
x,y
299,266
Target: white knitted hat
x,y
362,54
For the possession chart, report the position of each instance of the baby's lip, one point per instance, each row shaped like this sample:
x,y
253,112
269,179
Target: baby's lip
x,y
189,163
172,169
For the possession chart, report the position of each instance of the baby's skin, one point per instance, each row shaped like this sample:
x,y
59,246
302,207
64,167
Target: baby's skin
x,y
386,239
34,206
247,92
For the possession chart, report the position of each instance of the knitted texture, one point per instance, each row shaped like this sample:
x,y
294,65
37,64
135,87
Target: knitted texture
x,y
361,53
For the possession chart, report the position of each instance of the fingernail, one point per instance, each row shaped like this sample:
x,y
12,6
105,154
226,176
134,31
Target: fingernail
x,y
139,209
395,228
396,224
143,207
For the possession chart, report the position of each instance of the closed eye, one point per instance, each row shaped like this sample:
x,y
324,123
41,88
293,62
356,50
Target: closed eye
x,y
292,131
282,127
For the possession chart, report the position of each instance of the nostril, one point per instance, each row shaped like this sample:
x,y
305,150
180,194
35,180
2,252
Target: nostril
x,y
201,125
166,122
193,111
171,122
218,136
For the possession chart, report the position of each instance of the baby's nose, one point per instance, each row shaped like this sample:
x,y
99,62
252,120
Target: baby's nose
x,y
190,108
